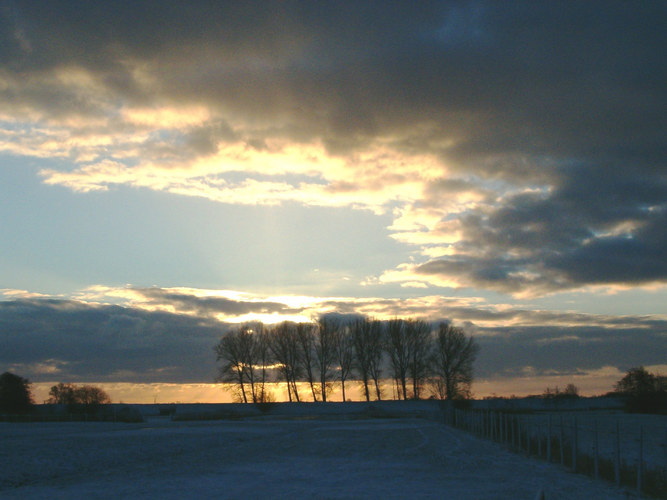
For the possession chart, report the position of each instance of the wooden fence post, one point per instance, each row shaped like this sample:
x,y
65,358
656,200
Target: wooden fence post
x,y
574,444
508,429
562,454
493,426
617,458
596,447
539,439
549,440
640,463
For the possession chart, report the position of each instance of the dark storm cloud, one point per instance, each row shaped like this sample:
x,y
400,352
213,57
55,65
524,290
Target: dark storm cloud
x,y
600,226
533,78
562,104
548,350
47,340
105,343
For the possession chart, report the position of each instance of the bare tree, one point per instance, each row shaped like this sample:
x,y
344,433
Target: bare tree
x,y
233,351
306,335
284,343
62,394
91,396
79,399
263,357
248,347
344,354
360,332
453,360
419,339
367,340
398,347
376,354
245,355
325,351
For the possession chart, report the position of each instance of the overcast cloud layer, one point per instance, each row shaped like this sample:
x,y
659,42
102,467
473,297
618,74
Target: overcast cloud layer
x,y
518,146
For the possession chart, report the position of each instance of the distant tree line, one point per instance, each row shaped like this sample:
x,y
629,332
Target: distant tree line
x,y
570,392
644,392
422,360
16,396
81,399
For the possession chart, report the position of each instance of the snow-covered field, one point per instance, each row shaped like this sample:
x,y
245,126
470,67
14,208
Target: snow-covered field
x,y
273,457
630,427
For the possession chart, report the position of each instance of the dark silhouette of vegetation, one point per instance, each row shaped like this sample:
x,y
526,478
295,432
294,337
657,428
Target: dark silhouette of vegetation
x,y
245,356
368,346
261,357
453,358
306,335
344,354
418,334
284,345
398,347
325,351
644,392
376,354
331,349
229,351
15,394
570,392
360,332
79,399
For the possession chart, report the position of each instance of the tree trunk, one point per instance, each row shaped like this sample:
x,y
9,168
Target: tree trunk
x,y
368,397
296,392
323,385
289,390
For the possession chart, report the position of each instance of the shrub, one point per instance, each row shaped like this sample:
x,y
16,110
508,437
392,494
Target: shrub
x,y
15,395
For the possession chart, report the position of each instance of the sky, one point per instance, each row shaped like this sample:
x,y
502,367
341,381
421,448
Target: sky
x,y
168,169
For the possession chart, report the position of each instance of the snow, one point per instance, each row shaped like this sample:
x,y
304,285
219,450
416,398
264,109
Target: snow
x,y
273,457
652,429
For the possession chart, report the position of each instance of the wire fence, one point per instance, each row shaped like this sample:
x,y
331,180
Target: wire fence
x,y
629,450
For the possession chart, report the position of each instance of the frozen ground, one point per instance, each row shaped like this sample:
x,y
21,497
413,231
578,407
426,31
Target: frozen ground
x,y
652,428
270,457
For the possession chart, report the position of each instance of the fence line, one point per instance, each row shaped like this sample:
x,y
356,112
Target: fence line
x,y
620,448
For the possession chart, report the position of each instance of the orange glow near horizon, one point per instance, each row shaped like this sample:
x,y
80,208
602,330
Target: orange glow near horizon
x,y
591,384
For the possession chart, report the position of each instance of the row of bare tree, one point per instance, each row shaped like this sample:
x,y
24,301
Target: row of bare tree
x,y
72,394
419,357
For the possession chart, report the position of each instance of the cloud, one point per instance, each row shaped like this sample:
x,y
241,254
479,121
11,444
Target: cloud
x,y
567,350
527,141
209,306
104,343
160,335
